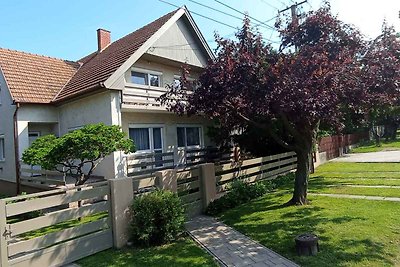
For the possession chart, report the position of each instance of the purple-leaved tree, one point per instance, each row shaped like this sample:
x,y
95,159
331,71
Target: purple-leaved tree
x,y
303,84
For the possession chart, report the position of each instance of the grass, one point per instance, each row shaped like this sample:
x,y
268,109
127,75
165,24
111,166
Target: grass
x,y
381,192
370,146
350,234
330,178
184,252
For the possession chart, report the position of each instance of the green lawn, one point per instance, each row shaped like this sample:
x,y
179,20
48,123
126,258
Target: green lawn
x,y
348,173
371,147
352,232
181,253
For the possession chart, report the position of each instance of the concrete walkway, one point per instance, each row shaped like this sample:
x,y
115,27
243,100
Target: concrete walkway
x,y
393,199
231,248
383,156
364,186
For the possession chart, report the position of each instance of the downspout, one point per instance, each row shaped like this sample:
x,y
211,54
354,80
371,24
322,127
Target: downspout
x,y
16,150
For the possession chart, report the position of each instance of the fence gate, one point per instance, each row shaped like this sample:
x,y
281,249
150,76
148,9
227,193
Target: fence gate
x,y
55,227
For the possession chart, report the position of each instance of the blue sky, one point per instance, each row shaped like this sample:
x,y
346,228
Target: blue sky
x,y
67,29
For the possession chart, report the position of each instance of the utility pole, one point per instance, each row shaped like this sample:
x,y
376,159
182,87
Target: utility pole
x,y
293,9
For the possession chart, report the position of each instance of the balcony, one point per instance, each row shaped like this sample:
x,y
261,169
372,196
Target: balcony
x,y
142,97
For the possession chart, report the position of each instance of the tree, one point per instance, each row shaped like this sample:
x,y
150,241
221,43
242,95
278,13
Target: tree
x,y
79,152
380,74
249,83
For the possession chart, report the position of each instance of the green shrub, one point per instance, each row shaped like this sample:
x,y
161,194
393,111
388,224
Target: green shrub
x,y
157,218
240,192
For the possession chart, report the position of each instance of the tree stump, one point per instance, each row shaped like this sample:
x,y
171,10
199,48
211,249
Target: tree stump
x,y
307,244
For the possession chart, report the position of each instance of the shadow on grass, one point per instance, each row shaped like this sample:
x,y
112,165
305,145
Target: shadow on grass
x,y
274,225
181,253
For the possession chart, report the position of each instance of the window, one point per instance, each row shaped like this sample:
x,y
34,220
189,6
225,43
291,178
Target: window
x,y
147,138
192,84
146,78
189,136
2,149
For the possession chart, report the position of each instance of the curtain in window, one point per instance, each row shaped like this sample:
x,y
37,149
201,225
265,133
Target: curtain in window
x,y
180,131
193,136
157,138
140,137
2,150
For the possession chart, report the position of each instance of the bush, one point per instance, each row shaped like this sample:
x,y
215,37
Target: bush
x,y
241,192
157,218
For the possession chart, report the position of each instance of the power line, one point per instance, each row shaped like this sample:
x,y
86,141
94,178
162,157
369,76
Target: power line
x,y
217,21
234,9
219,11
268,4
200,15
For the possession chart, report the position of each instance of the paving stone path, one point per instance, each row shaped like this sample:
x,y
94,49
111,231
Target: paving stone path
x,y
231,248
394,199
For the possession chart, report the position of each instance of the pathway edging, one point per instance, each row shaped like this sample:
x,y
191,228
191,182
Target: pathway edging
x,y
393,199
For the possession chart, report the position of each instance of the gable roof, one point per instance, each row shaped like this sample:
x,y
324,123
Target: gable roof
x,y
101,66
40,79
33,78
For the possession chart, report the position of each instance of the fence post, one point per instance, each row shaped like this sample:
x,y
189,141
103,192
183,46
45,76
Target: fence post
x,y
167,180
208,183
121,200
3,239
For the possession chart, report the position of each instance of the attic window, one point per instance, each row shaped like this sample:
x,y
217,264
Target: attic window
x,y
146,78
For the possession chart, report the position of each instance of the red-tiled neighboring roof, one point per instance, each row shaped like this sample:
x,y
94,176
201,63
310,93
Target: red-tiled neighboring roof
x,y
33,78
100,67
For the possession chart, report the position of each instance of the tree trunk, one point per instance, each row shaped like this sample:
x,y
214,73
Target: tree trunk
x,y
301,180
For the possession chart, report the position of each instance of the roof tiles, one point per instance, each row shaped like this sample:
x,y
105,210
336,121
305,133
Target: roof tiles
x,y
34,78
39,79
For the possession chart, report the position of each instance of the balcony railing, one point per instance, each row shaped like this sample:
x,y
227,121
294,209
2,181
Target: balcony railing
x,y
142,97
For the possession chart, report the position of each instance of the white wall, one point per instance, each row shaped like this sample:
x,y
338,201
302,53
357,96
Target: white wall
x,y
33,113
7,167
169,122
103,107
180,43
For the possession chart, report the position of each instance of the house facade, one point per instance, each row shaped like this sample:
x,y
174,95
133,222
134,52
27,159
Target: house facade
x,y
118,85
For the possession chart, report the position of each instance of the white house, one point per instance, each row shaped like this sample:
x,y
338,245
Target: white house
x,y
118,85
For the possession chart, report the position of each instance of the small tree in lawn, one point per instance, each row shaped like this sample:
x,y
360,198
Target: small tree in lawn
x,y
249,83
381,77
79,152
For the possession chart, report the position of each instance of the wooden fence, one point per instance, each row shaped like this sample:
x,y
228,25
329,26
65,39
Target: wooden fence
x,y
63,225
333,145
188,188
44,179
42,229
146,164
253,170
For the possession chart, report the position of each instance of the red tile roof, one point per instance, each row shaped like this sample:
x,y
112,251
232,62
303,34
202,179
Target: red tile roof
x,y
40,79
33,78
100,67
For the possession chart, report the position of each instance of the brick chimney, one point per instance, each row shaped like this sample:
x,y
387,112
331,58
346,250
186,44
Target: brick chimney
x,y
103,39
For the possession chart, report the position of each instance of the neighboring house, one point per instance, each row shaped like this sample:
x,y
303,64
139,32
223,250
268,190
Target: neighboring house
x,y
118,85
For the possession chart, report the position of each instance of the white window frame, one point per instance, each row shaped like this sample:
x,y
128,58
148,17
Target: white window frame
x,y
190,126
178,77
3,148
151,141
147,72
